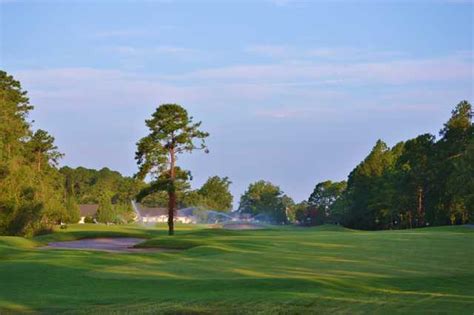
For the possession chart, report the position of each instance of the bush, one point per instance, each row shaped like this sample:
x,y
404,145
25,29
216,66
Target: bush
x,y
24,219
43,230
89,219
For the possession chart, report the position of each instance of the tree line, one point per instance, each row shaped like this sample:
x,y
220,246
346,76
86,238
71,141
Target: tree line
x,y
35,194
420,182
32,194
214,194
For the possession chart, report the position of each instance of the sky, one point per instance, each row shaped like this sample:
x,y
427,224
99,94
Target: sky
x,y
291,92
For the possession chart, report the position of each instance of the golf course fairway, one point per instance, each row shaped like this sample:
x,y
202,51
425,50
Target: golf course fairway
x,y
326,269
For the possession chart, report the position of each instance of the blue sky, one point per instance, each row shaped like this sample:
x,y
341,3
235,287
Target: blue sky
x,y
292,92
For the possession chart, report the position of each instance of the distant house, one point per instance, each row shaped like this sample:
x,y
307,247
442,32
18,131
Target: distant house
x,y
151,214
88,210
160,215
143,213
187,215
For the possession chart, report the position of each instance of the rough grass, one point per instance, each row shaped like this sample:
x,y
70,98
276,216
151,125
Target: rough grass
x,y
284,270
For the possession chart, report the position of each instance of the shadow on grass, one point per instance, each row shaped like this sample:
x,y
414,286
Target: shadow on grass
x,y
54,289
265,271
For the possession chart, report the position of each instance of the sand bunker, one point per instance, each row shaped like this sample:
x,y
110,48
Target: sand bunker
x,y
242,226
115,244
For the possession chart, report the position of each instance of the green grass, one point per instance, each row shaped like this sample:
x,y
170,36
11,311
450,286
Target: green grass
x,y
282,270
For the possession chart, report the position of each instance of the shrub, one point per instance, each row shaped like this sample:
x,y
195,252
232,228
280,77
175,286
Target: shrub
x,y
89,219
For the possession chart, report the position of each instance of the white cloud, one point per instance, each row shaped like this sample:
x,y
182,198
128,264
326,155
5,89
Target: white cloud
x,y
120,33
88,87
389,72
290,112
347,54
259,89
133,51
268,50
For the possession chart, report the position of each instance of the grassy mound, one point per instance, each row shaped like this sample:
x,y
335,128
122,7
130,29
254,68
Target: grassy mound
x,y
289,270
331,228
168,243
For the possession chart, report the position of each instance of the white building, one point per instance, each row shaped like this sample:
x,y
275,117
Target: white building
x,y
143,214
160,215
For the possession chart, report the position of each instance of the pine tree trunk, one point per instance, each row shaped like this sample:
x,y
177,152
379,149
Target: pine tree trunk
x,y
171,194
171,207
421,214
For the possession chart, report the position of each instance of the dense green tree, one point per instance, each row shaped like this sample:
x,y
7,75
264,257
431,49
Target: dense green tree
x,y
172,132
25,216
153,195
339,210
264,199
123,213
305,214
154,199
416,183
31,189
14,110
324,195
105,212
366,201
87,185
43,149
213,195
462,182
413,178
193,198
452,151
216,194
14,128
72,208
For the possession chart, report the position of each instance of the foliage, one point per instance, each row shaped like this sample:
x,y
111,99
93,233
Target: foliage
x,y
420,182
43,150
322,200
105,212
123,213
31,189
172,132
87,185
416,183
72,209
264,198
153,199
216,194
89,219
192,198
112,191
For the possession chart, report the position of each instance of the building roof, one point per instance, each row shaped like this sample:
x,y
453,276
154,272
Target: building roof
x,y
186,212
151,211
88,210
